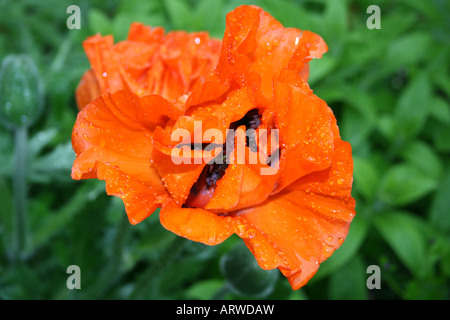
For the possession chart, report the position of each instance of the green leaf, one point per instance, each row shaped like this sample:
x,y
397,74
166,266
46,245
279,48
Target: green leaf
x,y
441,79
121,25
441,137
297,295
99,22
423,158
336,16
367,177
358,117
40,140
439,211
153,236
354,128
243,274
408,49
440,110
204,290
403,184
320,68
133,7
402,231
413,107
362,102
349,282
386,125
55,222
208,17
292,15
179,14
171,279
54,166
434,10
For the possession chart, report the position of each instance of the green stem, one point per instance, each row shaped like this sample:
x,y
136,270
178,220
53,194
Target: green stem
x,y
20,191
62,54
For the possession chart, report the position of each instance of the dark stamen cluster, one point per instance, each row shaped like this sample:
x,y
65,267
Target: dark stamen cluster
x,y
214,172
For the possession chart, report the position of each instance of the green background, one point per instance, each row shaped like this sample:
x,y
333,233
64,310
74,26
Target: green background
x,y
389,89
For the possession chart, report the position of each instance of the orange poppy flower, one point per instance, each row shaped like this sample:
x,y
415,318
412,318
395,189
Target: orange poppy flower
x,y
148,108
148,62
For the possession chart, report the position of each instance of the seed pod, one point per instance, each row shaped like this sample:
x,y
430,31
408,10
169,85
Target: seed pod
x,y
21,91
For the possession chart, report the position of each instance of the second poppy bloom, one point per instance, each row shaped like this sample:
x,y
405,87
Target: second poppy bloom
x,y
142,91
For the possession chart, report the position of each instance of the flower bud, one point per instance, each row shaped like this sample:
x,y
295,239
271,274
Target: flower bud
x,y
21,91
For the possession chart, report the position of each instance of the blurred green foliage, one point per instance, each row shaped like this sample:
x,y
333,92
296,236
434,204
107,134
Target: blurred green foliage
x,y
389,89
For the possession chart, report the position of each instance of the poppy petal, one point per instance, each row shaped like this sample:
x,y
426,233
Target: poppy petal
x,y
140,200
151,62
87,90
242,185
335,181
304,223
304,122
112,130
177,173
196,224
298,226
180,175
104,62
256,47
